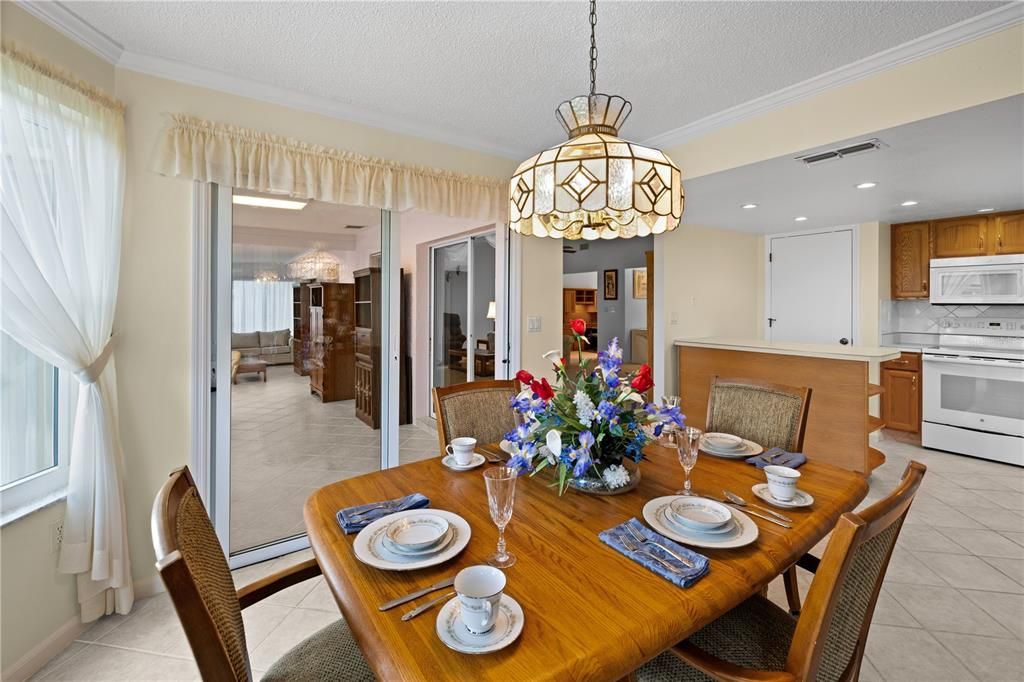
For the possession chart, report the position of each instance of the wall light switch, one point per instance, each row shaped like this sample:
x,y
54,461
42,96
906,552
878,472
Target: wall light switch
x,y
533,324
675,318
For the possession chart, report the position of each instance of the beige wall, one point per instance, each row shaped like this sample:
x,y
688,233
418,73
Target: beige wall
x,y
711,282
976,72
36,600
541,292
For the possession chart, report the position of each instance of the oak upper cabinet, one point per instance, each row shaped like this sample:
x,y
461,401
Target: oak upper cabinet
x,y
956,237
910,254
1006,233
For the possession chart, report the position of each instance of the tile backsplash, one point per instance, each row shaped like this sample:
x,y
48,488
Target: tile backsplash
x,y
923,318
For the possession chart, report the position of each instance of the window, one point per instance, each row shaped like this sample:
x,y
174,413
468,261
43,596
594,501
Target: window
x,y
33,446
260,306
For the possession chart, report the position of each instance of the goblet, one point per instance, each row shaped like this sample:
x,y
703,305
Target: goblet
x,y
501,497
687,442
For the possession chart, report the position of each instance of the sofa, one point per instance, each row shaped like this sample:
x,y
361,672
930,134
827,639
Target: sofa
x,y
274,347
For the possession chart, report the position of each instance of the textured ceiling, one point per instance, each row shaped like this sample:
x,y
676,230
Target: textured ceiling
x,y
491,73
951,165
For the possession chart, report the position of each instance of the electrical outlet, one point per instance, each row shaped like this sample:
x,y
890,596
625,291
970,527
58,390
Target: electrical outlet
x,y
56,536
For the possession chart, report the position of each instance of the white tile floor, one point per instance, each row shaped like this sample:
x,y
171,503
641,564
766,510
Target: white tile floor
x,y
286,444
952,607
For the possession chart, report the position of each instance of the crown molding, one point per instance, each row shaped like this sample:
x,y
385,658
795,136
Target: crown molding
x,y
70,24
238,85
965,31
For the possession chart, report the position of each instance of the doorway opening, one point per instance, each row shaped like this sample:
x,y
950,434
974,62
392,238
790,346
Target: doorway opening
x,y
606,284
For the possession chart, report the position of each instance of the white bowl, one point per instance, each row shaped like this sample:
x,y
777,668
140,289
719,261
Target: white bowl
x,y
700,514
417,532
723,441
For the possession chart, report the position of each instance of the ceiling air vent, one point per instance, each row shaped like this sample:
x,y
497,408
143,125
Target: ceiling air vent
x,y
354,227
842,152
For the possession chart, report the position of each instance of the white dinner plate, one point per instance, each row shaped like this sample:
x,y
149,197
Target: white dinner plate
x,y
800,498
476,460
749,449
370,547
655,513
455,635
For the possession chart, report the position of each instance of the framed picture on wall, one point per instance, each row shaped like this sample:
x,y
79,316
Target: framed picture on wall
x,y
640,283
611,285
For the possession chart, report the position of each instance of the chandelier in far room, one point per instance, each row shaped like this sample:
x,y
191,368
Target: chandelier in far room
x,y
316,265
595,185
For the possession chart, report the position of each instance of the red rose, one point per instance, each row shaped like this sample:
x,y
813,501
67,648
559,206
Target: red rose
x,y
542,389
642,381
579,326
524,377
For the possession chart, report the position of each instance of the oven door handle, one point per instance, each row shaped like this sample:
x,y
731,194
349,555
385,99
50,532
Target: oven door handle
x,y
974,362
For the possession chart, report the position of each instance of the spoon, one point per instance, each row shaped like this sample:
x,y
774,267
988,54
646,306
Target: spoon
x,y
739,501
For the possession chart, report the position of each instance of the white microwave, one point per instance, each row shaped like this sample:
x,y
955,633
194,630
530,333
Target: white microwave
x,y
980,280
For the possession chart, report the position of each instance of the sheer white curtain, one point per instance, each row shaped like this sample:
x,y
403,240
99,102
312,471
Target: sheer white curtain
x,y
260,306
62,193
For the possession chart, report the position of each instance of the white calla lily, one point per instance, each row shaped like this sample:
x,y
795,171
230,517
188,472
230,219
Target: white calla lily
x,y
553,356
554,443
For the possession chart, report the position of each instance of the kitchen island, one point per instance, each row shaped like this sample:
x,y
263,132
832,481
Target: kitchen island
x,y
840,379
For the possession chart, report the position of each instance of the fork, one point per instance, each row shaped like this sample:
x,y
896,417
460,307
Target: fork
x,y
379,505
647,541
635,547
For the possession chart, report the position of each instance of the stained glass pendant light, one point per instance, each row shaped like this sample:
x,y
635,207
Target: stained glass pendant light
x,y
595,185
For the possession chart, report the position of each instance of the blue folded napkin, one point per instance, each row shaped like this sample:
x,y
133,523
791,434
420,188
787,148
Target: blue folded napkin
x,y
778,456
680,575
354,519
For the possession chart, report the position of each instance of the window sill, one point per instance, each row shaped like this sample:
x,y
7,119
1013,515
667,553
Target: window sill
x,y
10,516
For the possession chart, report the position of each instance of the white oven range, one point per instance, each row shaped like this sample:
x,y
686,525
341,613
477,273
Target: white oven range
x,y
973,389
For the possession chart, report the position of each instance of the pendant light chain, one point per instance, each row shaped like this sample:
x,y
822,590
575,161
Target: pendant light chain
x,y
593,47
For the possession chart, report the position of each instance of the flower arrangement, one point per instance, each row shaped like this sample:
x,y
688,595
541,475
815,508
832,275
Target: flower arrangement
x,y
586,425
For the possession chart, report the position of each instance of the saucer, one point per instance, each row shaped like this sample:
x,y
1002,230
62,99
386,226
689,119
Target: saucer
x,y
800,498
474,462
749,449
455,635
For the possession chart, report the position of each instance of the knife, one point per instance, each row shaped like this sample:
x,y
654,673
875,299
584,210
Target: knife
x,y
409,615
754,513
447,582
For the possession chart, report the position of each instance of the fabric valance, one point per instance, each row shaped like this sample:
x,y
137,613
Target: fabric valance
x,y
207,151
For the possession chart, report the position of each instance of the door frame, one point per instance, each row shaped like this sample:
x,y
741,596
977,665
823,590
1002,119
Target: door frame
x,y
855,274
212,235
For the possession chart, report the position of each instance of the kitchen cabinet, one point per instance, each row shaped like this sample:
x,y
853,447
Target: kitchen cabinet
x,y
957,237
901,393
911,249
1006,233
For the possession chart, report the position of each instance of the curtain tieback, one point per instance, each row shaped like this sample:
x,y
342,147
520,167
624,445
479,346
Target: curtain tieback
x,y
90,374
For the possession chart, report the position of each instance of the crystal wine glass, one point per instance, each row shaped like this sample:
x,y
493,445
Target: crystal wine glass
x,y
670,400
687,442
501,496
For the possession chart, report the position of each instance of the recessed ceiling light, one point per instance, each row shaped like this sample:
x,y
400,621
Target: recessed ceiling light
x,y
985,210
267,202
911,202
749,206
867,185
800,218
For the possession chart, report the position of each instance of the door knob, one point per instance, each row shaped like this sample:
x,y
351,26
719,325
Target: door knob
x,y
844,341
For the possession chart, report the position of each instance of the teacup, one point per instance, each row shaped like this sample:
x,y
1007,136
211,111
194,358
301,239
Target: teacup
x,y
479,589
462,449
781,482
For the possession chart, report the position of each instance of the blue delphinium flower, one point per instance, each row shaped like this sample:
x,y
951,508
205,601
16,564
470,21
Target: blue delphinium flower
x,y
607,412
520,404
586,441
582,464
635,447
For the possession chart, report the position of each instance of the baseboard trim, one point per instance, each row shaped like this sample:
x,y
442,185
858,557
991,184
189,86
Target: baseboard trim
x,y
33,661
41,654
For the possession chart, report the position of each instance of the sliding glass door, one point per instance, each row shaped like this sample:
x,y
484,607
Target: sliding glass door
x,y
302,328
463,310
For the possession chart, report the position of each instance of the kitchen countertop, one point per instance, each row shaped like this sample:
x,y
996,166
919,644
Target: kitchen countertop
x,y
811,350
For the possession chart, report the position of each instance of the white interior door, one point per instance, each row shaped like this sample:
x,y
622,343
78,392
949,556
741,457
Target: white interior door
x,y
811,287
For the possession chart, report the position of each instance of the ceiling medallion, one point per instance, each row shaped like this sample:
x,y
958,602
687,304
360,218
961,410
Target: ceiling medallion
x,y
595,185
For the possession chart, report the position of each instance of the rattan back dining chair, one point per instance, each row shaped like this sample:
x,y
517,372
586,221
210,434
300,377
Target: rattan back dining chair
x,y
760,641
479,409
193,568
771,415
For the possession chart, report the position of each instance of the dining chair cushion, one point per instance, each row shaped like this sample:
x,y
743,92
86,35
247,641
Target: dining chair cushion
x,y
761,414
483,414
327,655
756,634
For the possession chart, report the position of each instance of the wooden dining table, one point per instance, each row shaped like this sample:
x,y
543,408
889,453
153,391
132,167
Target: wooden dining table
x,y
590,613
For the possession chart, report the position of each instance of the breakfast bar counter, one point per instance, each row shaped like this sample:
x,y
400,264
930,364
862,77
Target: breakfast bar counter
x,y
840,379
